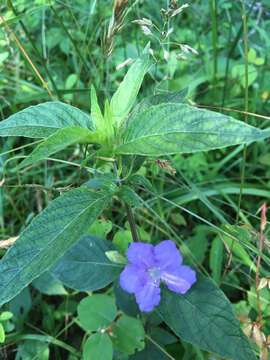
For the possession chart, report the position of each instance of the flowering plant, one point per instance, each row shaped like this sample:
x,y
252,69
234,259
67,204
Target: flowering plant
x,y
59,244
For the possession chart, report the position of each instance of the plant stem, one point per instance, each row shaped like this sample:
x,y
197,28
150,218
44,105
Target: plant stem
x,y
131,221
130,216
235,42
263,222
244,18
214,40
246,105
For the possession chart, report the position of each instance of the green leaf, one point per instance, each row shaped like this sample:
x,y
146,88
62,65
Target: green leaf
x,y
96,312
239,253
141,180
2,333
85,266
204,317
47,238
42,120
131,164
125,301
264,298
49,285
162,336
128,195
238,72
21,304
102,181
6,315
98,347
32,349
179,128
100,228
128,335
216,258
122,239
197,245
125,96
175,97
61,139
116,257
96,114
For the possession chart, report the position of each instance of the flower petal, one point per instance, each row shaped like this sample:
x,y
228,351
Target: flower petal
x,y
167,255
179,280
148,296
141,254
132,278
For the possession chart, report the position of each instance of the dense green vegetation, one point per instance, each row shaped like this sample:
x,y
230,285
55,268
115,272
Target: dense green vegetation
x,y
213,204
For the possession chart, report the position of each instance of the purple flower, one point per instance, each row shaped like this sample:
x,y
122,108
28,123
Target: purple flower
x,y
149,265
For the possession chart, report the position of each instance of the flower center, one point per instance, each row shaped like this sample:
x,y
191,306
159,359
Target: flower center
x,y
155,273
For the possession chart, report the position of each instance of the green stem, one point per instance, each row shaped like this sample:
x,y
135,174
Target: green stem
x,y
132,224
246,105
130,216
244,18
214,39
237,38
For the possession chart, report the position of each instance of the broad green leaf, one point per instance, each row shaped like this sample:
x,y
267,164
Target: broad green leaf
x,y
175,97
85,266
21,304
128,335
48,237
125,301
47,284
204,317
179,128
98,347
61,139
42,120
125,96
102,181
96,312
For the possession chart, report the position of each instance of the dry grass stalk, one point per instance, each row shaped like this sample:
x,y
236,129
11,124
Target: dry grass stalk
x,y
116,22
165,165
5,244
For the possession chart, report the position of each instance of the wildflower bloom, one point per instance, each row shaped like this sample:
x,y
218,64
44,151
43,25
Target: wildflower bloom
x,y
148,265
